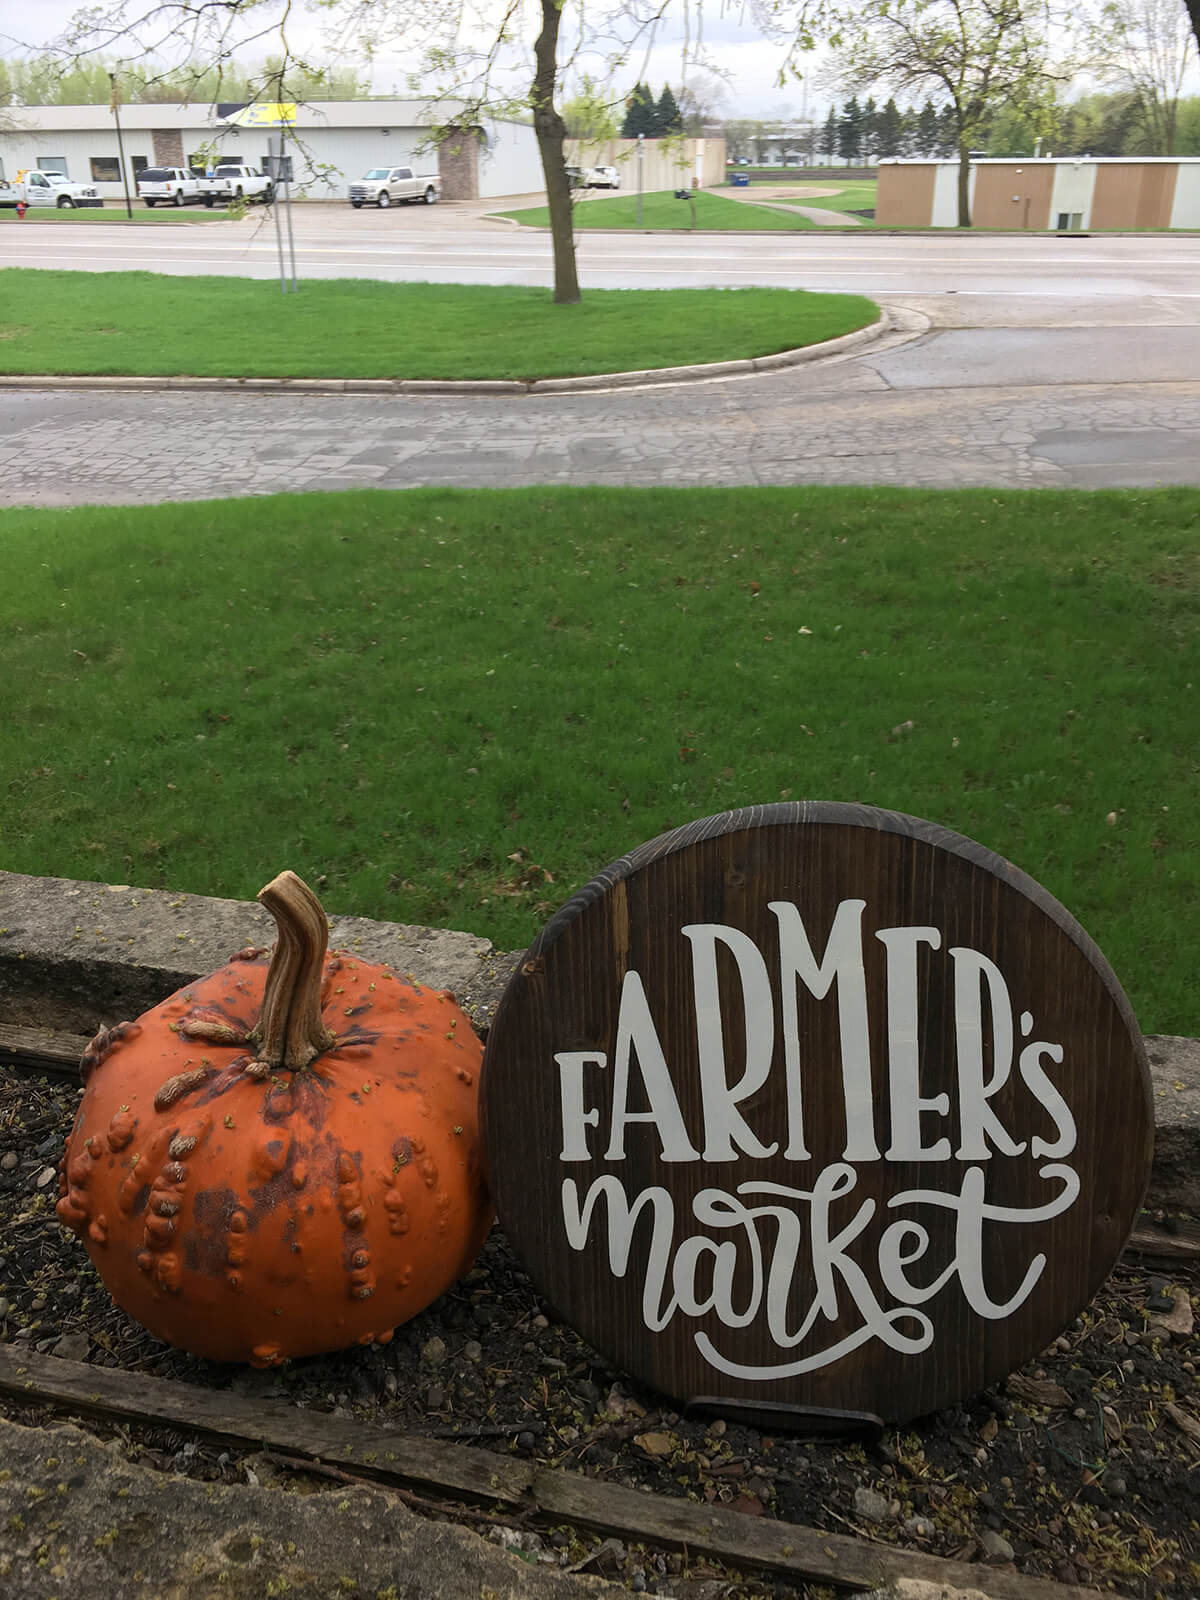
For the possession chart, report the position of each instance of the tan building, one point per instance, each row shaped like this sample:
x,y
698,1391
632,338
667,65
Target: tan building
x,y
1056,193
664,163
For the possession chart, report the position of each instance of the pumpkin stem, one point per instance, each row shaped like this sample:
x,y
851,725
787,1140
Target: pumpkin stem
x,y
289,1032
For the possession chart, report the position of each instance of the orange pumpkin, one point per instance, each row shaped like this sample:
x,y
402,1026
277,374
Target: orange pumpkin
x,y
281,1159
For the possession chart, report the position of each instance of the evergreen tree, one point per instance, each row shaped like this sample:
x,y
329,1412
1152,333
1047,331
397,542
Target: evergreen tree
x,y
927,131
667,113
850,131
829,136
947,132
870,131
641,114
889,132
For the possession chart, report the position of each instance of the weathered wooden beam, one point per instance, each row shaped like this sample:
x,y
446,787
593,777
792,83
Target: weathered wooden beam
x,y
231,1419
41,1050
453,1472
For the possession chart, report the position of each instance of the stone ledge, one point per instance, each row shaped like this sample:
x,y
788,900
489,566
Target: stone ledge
x,y
134,1532
75,954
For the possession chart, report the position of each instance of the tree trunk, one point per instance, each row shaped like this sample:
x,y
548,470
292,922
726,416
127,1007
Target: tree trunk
x,y
1193,9
551,131
964,184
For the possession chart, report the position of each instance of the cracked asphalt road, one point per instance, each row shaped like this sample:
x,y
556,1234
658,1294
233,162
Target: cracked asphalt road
x,y
994,406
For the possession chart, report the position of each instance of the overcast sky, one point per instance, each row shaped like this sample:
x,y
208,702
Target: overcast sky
x,y
746,85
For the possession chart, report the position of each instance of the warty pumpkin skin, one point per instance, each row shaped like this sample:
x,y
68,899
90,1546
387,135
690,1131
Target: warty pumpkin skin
x,y
282,1158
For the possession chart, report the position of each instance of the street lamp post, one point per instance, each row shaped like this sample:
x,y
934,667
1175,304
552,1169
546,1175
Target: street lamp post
x,y
640,139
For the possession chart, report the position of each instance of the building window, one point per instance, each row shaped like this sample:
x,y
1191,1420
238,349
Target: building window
x,y
56,164
106,169
139,165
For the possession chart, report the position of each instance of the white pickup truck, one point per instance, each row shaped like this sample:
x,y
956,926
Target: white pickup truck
x,y
174,186
48,189
234,180
385,186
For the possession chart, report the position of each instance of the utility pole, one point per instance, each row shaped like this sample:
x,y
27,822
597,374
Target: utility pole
x,y
114,102
640,138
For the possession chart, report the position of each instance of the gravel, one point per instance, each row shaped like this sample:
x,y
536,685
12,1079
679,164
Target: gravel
x,y
1084,1467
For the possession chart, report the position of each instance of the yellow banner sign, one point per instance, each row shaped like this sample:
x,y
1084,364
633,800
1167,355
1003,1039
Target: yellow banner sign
x,y
265,114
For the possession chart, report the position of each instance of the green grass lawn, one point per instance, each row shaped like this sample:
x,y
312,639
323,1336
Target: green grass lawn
x,y
661,212
148,323
115,213
453,708
856,194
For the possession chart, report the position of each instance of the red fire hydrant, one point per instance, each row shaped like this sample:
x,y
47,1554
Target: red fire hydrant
x,y
20,210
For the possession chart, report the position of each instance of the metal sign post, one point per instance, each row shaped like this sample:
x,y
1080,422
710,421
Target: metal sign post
x,y
285,166
276,114
275,145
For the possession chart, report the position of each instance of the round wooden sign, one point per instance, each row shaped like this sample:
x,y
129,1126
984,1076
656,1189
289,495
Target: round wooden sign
x,y
816,1106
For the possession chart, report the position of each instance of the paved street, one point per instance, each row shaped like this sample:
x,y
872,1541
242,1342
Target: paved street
x,y
444,244
1043,361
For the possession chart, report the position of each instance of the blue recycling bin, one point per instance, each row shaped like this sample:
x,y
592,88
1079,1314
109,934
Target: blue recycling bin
x,y
739,180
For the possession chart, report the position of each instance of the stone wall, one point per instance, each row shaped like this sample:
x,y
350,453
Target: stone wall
x,y
458,164
168,147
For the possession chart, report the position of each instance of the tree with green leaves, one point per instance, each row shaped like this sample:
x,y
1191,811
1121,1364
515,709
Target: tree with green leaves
x,y
889,132
977,55
590,113
829,136
849,146
741,138
641,114
927,130
1144,48
473,70
870,118
42,81
667,115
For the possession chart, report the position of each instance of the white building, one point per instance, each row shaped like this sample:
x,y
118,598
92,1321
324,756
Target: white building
x,y
332,143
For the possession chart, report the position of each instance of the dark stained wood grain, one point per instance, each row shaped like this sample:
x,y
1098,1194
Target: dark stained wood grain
x,y
480,1476
565,998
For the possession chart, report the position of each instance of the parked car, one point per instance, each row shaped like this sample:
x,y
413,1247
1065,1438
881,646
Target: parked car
x,y
34,188
575,177
385,186
601,178
234,180
174,186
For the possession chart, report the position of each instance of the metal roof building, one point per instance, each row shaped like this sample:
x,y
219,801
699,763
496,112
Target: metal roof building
x,y
331,141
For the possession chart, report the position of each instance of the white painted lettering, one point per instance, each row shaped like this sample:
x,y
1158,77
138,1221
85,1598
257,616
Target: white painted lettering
x,y
575,1118
843,961
978,1123
904,1049
724,1125
635,1032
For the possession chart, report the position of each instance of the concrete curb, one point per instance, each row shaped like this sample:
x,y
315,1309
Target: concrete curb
x,y
887,323
74,954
